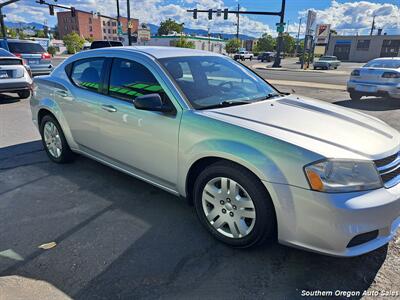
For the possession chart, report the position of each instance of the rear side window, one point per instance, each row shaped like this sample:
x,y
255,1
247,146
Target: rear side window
x,y
130,79
23,48
5,53
86,73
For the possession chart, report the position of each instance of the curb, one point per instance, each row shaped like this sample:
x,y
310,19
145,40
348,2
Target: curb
x,y
263,67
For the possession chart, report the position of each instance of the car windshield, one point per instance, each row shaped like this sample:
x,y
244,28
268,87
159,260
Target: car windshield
x,y
384,63
327,58
208,81
30,48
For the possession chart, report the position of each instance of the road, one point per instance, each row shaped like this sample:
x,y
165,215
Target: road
x,y
120,238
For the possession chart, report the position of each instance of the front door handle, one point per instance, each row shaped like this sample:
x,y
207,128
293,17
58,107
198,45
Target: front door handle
x,y
109,108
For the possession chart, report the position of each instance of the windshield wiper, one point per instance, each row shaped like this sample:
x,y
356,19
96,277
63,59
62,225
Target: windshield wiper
x,y
226,103
266,97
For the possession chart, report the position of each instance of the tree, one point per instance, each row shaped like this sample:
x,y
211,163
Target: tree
x,y
184,43
266,43
40,34
289,43
232,45
169,26
73,42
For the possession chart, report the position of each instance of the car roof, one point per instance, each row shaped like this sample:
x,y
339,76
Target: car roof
x,y
386,58
160,51
22,41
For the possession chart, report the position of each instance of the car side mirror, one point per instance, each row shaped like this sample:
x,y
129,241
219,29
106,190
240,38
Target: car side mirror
x,y
151,102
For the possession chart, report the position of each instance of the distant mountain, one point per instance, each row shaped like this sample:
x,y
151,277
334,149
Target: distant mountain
x,y
24,25
154,28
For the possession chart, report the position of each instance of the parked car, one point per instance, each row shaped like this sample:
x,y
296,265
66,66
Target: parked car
x,y
255,162
35,56
14,75
266,56
243,55
103,44
327,63
379,77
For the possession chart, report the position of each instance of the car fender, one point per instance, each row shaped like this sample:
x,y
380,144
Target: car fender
x,y
249,157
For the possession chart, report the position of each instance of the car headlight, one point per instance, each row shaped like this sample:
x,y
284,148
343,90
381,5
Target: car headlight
x,y
335,176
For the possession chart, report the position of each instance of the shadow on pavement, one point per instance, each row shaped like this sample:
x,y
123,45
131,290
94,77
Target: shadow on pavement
x,y
9,98
120,238
371,104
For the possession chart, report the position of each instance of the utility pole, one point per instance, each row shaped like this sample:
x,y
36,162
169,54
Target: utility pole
x,y
372,26
128,7
277,62
297,39
238,22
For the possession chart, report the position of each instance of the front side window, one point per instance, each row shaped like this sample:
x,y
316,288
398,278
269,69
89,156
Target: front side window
x,y
86,73
207,81
130,79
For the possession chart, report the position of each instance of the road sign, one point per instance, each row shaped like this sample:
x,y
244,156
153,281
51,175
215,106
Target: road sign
x,y
280,27
119,30
130,24
311,19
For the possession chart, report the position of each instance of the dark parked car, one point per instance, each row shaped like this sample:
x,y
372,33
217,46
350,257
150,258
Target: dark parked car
x,y
103,44
35,56
266,56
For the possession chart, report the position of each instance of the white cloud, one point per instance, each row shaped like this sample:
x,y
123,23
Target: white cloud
x,y
152,11
356,17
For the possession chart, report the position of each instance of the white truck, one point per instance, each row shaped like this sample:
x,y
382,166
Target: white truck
x,y
243,55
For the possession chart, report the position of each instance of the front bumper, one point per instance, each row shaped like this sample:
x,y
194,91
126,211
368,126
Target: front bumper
x,y
376,89
326,223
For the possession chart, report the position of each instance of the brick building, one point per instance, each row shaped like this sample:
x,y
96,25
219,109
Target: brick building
x,y
89,25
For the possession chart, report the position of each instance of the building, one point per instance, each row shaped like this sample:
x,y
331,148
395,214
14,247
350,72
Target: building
x,y
363,48
249,45
92,26
200,42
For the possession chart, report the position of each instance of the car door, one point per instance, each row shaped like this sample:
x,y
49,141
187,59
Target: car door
x,y
82,104
146,141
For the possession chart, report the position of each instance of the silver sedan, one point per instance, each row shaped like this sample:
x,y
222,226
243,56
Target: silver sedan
x,y
379,77
256,163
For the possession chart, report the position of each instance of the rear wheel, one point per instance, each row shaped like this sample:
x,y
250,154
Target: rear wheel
x,y
54,141
355,96
233,205
24,94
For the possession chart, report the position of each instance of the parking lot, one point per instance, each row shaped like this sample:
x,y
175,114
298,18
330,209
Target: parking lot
x,y
120,238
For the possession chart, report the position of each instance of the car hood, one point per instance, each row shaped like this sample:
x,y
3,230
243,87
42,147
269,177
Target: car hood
x,y
326,129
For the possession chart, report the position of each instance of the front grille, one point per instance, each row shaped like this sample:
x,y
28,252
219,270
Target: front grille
x,y
389,169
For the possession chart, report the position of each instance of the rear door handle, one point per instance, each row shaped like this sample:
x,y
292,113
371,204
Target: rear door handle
x,y
109,108
62,93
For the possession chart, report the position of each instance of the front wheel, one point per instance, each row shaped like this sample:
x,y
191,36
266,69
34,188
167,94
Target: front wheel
x,y
54,141
233,205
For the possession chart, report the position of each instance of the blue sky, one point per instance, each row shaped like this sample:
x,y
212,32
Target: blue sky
x,y
347,17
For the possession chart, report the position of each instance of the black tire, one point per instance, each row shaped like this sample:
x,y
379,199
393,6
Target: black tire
x,y
355,96
24,94
66,154
265,222
251,58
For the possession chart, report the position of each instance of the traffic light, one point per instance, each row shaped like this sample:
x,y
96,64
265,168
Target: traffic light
x,y
210,14
51,10
225,14
218,12
195,13
73,11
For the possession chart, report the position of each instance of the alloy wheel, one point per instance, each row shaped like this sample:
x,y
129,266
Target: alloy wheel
x,y
52,139
228,207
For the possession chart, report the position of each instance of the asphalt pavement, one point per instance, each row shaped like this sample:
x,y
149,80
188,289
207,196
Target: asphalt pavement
x,y
120,238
